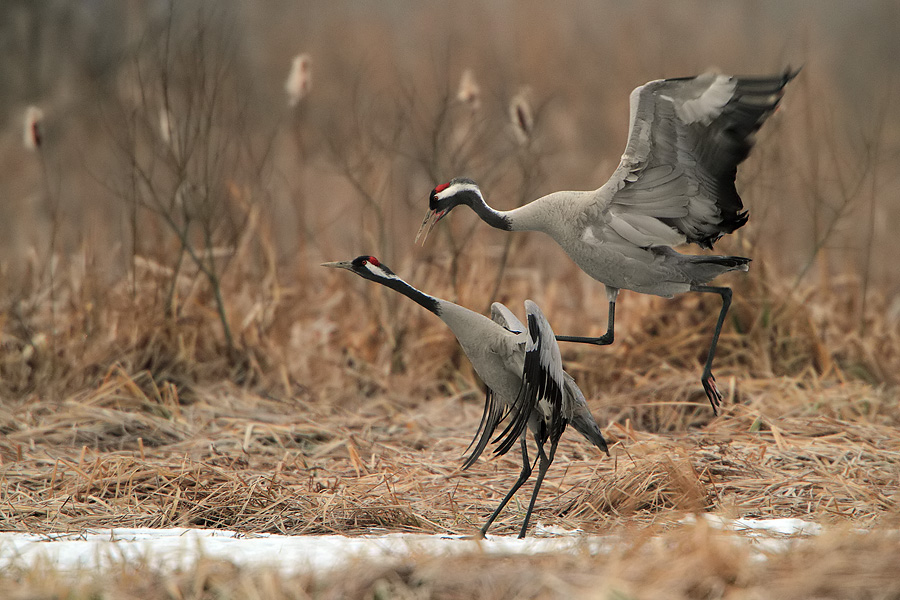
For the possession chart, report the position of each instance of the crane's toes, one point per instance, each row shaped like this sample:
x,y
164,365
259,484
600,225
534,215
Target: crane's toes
x,y
712,392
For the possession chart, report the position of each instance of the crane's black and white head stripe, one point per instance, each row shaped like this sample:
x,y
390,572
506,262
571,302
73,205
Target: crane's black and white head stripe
x,y
369,267
366,266
460,190
372,265
448,196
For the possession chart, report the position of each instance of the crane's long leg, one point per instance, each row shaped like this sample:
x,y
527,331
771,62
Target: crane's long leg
x,y
707,378
608,337
523,477
542,470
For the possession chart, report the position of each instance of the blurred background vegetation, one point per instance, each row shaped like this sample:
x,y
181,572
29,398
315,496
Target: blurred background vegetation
x,y
171,353
177,209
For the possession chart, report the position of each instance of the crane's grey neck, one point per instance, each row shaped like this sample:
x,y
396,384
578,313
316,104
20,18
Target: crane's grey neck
x,y
429,302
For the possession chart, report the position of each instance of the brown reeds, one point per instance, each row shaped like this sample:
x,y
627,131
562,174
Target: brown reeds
x,y
188,363
231,459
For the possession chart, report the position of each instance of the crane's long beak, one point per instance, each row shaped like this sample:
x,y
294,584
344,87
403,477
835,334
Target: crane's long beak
x,y
343,264
433,216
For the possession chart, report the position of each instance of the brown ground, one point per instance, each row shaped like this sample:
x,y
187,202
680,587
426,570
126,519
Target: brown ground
x,y
364,450
332,405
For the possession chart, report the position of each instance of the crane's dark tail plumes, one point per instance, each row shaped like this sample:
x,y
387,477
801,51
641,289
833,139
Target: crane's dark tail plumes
x,y
582,420
732,263
586,426
702,269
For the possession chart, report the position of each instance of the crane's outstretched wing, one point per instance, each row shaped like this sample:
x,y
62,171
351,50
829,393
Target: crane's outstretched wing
x,y
675,182
505,317
494,412
543,380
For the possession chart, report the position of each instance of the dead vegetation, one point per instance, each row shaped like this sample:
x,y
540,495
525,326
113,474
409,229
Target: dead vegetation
x,y
689,561
187,363
235,460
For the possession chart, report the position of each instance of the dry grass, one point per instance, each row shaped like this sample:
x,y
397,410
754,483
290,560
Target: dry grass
x,y
353,439
235,460
335,406
346,423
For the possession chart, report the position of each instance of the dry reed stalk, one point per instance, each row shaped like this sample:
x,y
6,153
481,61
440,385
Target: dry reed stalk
x,y
691,560
32,129
299,81
238,461
343,410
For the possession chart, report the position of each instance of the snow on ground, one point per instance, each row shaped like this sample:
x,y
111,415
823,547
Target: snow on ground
x,y
782,526
179,547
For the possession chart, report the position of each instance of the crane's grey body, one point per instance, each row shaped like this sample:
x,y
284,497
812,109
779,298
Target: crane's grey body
x,y
496,354
522,369
593,238
675,184
574,406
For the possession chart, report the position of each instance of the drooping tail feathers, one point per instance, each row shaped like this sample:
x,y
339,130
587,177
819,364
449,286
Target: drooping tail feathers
x,y
703,269
731,263
582,420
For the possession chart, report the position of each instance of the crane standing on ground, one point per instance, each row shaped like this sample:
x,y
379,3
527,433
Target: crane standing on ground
x,y
522,370
674,185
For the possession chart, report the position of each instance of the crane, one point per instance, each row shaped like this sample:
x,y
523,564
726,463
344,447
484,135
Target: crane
x,y
675,184
522,370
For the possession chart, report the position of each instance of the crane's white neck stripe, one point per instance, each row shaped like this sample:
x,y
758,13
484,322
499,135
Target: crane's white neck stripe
x,y
457,188
380,272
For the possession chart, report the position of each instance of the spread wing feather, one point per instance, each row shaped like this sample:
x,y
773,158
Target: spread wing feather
x,y
687,136
542,384
505,317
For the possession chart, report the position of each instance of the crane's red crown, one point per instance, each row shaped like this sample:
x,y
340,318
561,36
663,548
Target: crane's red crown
x,y
361,261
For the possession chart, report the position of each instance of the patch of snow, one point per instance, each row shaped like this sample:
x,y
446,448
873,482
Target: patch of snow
x,y
179,548
173,548
781,526
541,529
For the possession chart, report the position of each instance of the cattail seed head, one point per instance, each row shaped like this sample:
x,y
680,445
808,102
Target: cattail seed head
x,y
521,115
31,135
469,93
299,79
165,125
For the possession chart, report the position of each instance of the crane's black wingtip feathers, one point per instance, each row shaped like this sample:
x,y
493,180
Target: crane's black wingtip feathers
x,y
725,143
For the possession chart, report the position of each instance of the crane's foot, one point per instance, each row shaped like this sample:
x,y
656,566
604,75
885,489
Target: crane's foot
x,y
604,340
712,391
